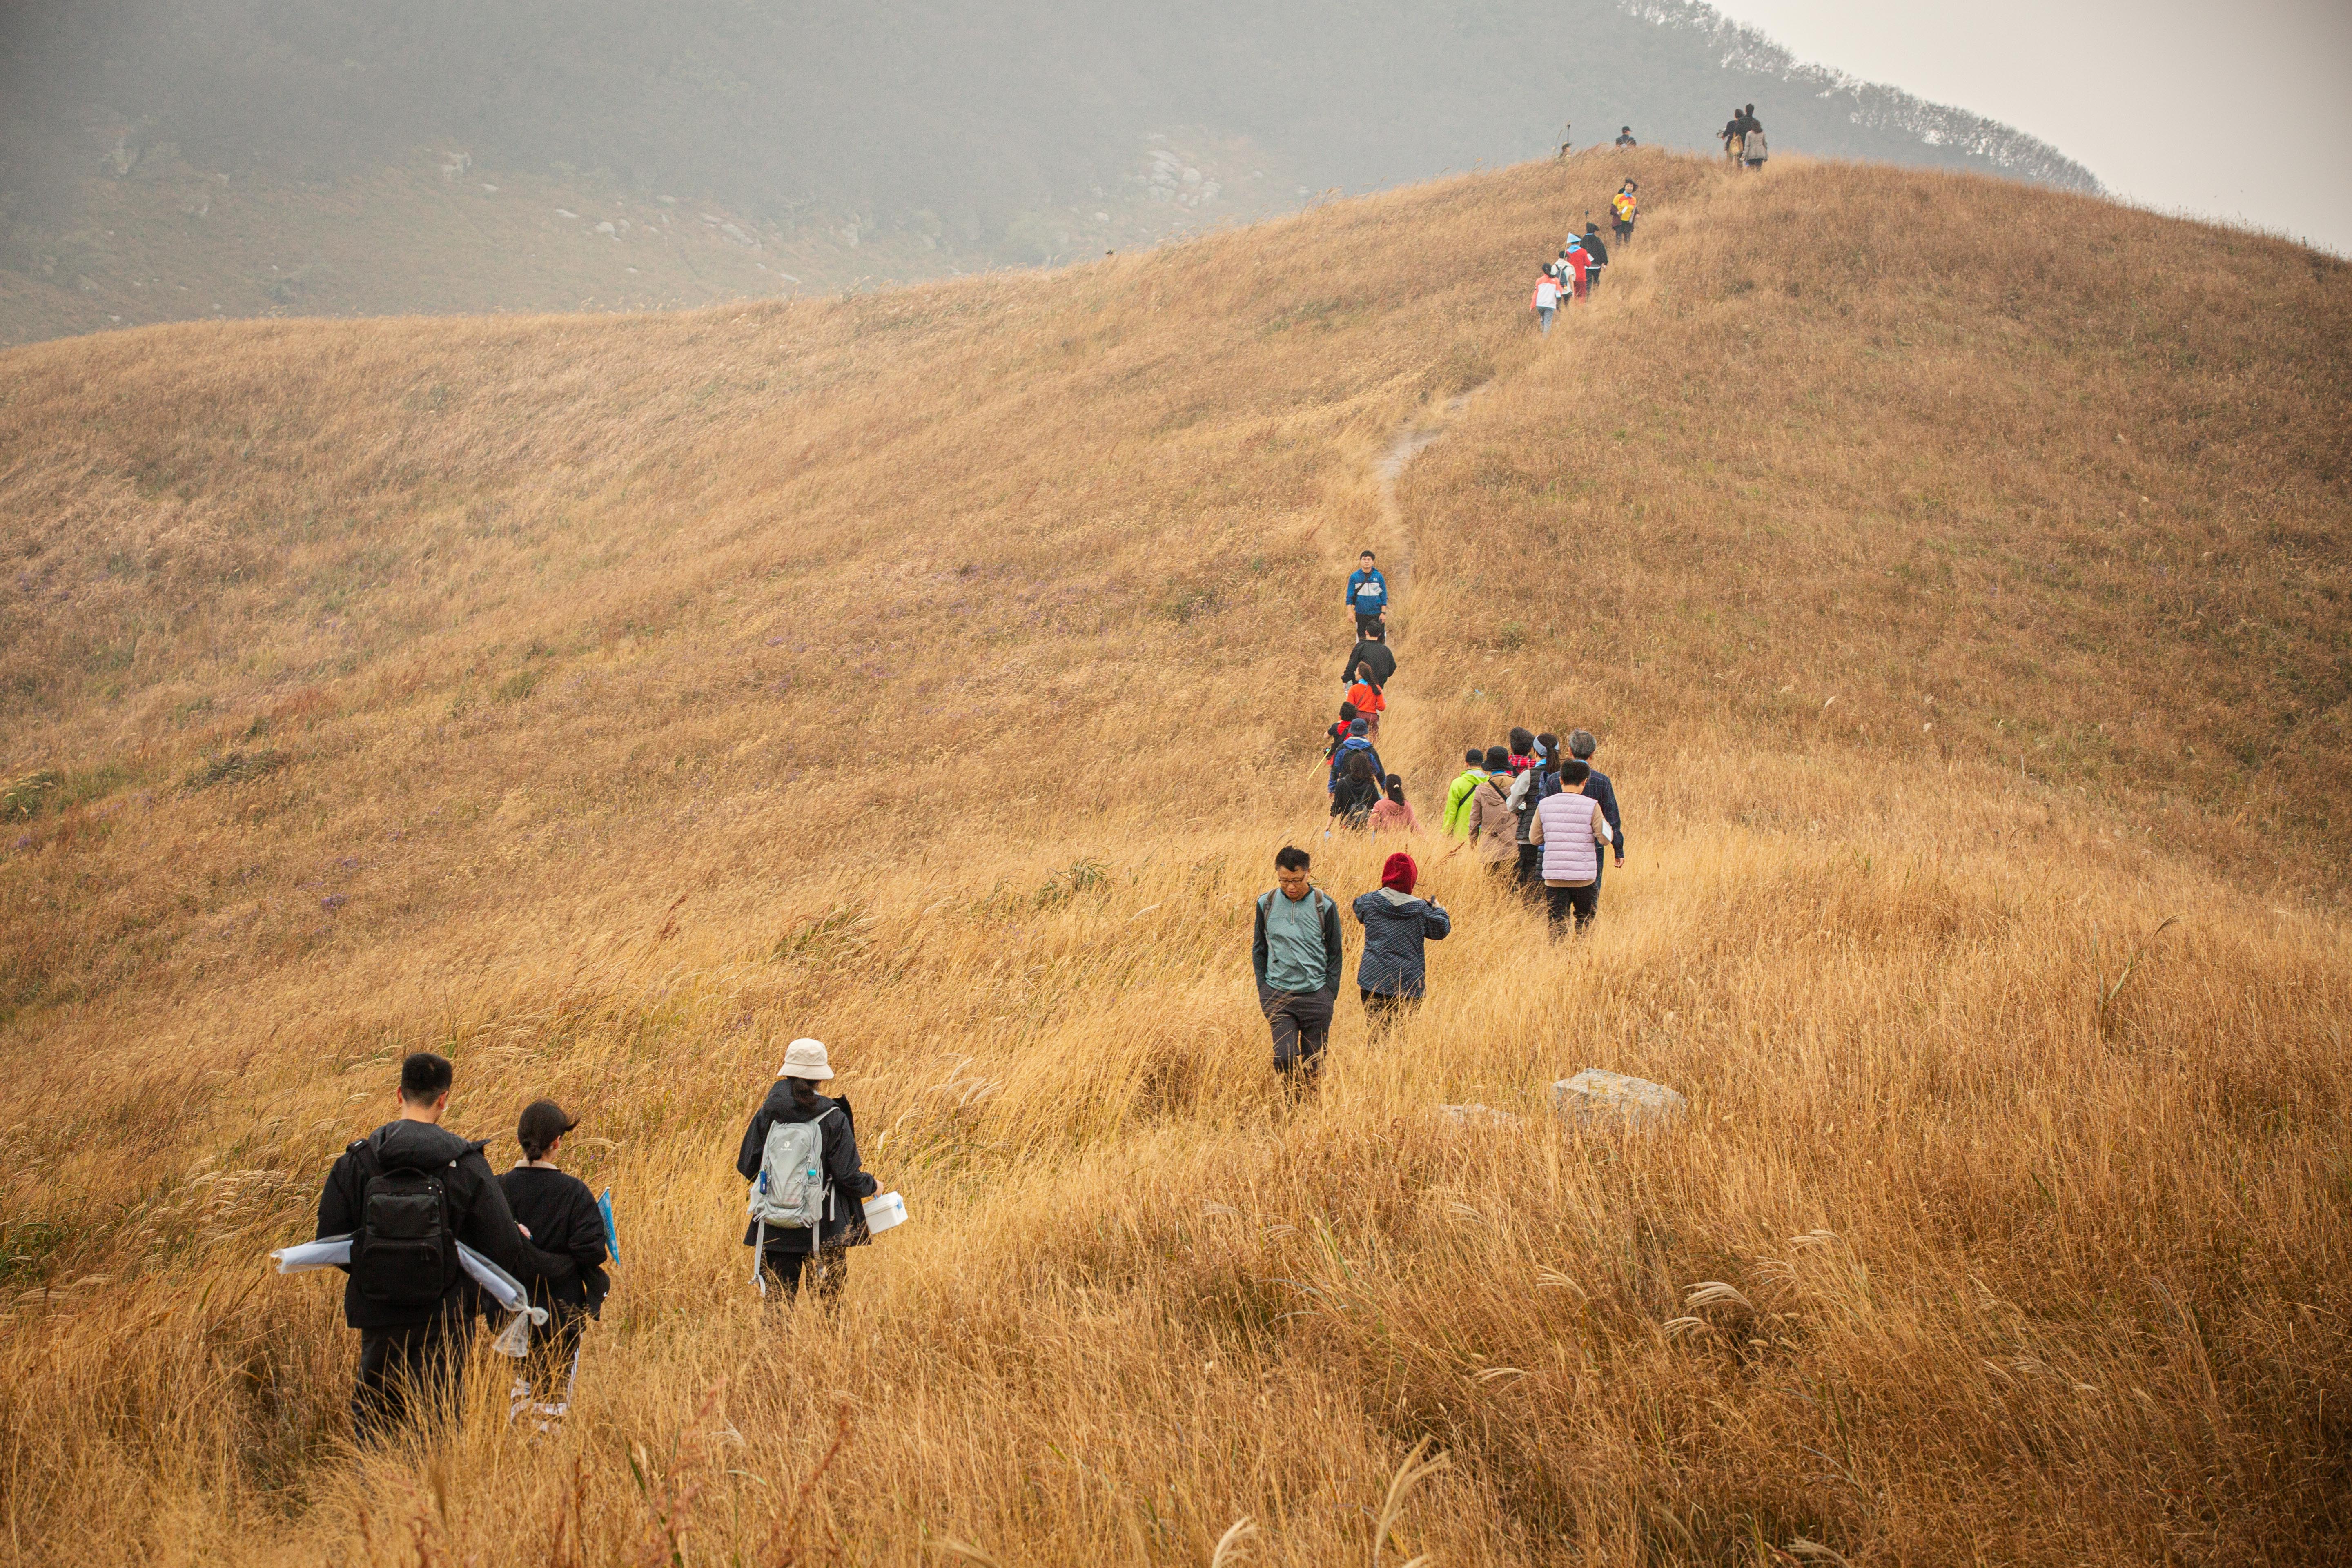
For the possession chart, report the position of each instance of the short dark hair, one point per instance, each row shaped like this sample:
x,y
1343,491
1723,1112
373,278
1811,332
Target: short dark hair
x,y
1521,741
1291,857
1360,554
1575,773
1347,710
1498,759
425,1078
1474,756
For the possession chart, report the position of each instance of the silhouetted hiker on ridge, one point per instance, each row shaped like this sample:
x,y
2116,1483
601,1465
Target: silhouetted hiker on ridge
x,y
1625,137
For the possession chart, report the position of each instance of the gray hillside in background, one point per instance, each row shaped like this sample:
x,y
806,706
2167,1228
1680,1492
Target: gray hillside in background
x,y
980,132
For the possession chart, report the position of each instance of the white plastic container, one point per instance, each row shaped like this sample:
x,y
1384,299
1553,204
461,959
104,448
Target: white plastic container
x,y
883,1210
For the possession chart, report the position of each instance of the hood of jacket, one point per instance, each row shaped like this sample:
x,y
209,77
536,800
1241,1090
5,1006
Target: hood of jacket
x,y
1387,903
419,1146
780,1106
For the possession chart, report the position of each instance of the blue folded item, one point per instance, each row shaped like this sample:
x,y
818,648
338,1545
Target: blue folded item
x,y
611,1236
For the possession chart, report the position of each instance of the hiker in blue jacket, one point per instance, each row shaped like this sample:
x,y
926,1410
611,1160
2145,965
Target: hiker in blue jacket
x,y
1355,742
1368,596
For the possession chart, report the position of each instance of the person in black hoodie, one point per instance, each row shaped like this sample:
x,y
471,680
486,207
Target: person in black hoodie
x,y
412,1349
1371,648
560,1214
789,1254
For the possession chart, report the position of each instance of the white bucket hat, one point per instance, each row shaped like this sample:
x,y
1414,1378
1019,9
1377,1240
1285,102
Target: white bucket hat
x,y
805,1059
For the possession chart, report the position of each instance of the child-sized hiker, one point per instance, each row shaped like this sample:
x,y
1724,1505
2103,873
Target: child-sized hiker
x,y
1392,814
560,1214
1369,704
1338,733
800,1154
1458,793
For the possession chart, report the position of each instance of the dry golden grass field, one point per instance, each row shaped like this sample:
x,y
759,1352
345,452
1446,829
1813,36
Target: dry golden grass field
x,y
1954,575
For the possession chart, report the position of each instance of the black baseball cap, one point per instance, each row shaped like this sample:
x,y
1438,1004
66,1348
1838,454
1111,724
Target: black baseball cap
x,y
543,1122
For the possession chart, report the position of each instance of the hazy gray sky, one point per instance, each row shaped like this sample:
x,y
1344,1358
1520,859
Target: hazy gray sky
x,y
2230,111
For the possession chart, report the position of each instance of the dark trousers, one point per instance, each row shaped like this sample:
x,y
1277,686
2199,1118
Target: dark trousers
x,y
1366,625
1579,901
826,1270
545,1375
1302,1026
1383,1011
405,1372
1529,872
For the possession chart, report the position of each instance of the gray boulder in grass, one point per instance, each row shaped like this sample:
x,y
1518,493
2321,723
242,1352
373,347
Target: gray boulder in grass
x,y
1597,1100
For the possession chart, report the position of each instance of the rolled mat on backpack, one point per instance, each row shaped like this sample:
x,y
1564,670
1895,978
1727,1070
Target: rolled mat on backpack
x,y
335,1252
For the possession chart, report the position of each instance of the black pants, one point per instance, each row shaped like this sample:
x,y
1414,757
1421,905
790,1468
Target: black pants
x,y
1302,1026
826,1270
1624,233
405,1372
1366,625
546,1372
1530,873
1383,1011
1592,281
1580,901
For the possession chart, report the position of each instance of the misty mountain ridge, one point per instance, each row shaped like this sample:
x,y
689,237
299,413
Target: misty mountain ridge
x,y
251,157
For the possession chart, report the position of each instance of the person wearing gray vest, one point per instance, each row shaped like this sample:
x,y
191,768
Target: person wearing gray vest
x,y
1298,955
812,1242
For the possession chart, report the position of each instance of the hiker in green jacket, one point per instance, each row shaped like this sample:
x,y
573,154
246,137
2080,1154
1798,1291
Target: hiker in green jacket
x,y
1458,794
1295,950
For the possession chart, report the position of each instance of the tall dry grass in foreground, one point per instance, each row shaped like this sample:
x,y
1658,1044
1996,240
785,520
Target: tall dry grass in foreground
x,y
929,674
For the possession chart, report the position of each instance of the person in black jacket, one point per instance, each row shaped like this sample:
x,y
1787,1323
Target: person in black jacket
x,y
560,1214
413,1356
1582,745
1357,790
1371,648
791,1253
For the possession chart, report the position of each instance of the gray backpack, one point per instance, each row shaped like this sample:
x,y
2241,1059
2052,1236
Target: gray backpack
x,y
791,1192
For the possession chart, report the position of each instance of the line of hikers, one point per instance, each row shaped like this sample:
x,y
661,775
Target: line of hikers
x,y
1575,273
1545,821
411,1196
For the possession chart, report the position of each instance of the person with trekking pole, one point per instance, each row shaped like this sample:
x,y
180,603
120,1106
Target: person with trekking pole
x,y
407,1195
1296,955
560,1214
800,1154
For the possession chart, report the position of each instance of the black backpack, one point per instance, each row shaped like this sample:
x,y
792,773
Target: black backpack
x,y
404,1253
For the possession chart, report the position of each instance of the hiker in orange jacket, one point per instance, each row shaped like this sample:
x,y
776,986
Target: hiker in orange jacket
x,y
1366,695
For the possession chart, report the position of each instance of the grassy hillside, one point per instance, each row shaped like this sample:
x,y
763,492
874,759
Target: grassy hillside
x,y
607,701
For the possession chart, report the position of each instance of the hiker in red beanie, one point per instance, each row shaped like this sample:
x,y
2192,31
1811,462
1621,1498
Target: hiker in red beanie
x,y
1394,973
